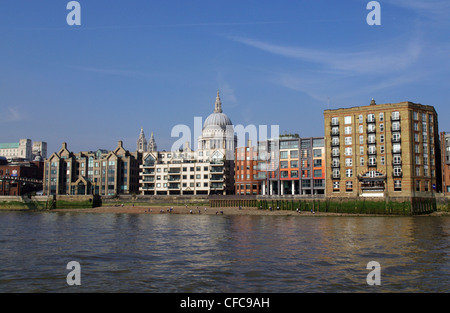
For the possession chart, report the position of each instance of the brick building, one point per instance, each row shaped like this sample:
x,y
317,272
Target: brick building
x,y
445,157
19,178
382,150
98,172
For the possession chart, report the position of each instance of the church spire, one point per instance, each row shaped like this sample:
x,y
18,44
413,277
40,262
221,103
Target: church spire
x,y
218,105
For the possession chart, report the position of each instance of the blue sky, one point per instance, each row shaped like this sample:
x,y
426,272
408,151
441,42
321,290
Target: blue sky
x,y
156,64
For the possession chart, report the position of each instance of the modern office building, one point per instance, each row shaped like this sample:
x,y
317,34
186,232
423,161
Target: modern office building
x,y
209,170
445,159
289,165
98,172
382,150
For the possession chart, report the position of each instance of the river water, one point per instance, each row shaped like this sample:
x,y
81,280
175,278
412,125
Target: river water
x,y
164,253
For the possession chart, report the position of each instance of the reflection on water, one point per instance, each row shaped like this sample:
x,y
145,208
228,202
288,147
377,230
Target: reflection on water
x,y
209,253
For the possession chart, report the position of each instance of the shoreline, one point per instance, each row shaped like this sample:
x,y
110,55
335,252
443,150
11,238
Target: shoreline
x,y
206,210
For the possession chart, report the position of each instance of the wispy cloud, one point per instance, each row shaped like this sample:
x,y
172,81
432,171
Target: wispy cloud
x,y
10,115
380,60
431,8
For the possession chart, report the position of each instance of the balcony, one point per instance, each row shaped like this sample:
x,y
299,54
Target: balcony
x,y
395,118
372,164
334,143
174,186
217,178
396,162
336,176
335,132
371,121
334,123
372,152
396,128
335,154
397,174
174,178
396,140
335,165
371,130
371,141
174,170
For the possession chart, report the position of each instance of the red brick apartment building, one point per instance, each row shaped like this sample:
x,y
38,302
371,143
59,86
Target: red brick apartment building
x,y
445,156
19,178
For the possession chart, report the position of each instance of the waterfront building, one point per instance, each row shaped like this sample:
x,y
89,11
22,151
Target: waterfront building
x,y
100,172
289,165
25,150
209,170
382,150
246,180
445,159
20,177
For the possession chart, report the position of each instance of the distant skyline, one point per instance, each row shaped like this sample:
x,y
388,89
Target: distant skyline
x,y
156,64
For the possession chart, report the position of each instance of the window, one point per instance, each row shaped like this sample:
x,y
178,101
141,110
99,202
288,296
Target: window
x,y
348,140
335,162
397,160
283,154
294,154
361,119
381,117
361,161
348,162
347,120
382,160
348,172
381,138
284,174
381,149
294,174
396,148
361,129
381,127
336,173
348,130
317,163
335,152
317,153
395,126
348,151
349,186
294,164
334,121
397,171
361,140
395,115
361,150
371,138
284,164
336,186
372,161
318,173
371,117
415,116
397,185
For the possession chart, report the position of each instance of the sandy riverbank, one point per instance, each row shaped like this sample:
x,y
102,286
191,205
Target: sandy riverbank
x,y
211,211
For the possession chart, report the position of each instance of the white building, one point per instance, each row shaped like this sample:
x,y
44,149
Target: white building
x,y
25,149
209,170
